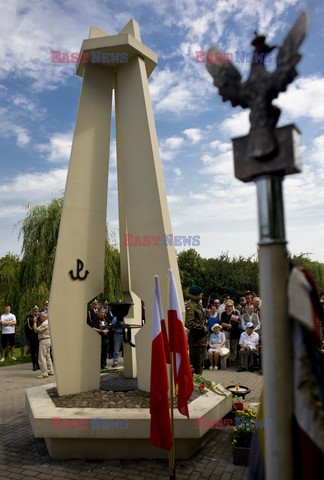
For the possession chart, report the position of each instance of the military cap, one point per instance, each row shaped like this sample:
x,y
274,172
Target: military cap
x,y
195,290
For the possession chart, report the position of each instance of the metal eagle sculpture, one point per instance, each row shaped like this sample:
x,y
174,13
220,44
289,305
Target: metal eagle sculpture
x,y
261,87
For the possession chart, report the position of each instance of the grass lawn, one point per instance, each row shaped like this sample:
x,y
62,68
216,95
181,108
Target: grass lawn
x,y
19,357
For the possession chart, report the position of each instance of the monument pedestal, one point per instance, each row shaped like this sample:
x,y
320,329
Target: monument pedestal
x,y
117,433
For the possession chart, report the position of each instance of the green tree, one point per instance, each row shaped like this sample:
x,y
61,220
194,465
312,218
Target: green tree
x,y
39,232
218,276
314,267
192,269
230,275
9,281
112,287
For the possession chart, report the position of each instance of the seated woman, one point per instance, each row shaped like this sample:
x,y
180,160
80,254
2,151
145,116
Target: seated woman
x,y
216,346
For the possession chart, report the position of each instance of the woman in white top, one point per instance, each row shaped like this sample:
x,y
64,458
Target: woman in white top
x,y
216,343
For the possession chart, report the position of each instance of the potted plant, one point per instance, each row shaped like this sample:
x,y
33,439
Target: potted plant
x,y
244,425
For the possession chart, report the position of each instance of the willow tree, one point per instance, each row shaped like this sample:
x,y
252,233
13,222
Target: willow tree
x,y
112,286
39,232
9,281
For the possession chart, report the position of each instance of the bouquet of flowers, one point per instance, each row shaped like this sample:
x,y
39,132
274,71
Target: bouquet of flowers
x,y
243,427
205,385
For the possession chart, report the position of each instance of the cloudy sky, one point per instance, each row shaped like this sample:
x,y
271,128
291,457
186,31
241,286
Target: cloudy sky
x,y
38,104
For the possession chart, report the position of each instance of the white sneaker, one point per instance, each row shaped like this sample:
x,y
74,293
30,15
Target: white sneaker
x,y
210,368
42,376
2,359
13,358
215,368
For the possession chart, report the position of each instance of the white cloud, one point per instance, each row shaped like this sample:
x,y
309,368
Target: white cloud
x,y
8,128
160,83
222,147
174,198
173,142
197,196
316,154
59,147
26,107
30,187
304,98
237,124
169,146
177,172
23,138
218,165
177,100
11,211
28,36
193,134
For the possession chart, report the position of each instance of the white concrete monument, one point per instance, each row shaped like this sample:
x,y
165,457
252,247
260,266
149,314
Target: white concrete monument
x,y
120,62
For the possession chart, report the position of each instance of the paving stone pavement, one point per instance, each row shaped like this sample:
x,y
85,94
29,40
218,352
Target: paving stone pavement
x,y
24,457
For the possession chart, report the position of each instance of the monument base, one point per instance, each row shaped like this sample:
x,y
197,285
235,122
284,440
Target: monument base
x,y
117,433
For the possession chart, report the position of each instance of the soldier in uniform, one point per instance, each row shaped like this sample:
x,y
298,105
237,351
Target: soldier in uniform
x,y
198,331
32,336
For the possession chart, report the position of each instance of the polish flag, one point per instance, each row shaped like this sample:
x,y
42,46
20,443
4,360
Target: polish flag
x,y
163,326
160,433
179,347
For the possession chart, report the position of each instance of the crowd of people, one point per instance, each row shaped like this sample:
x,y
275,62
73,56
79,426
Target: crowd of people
x,y
219,330
37,338
226,330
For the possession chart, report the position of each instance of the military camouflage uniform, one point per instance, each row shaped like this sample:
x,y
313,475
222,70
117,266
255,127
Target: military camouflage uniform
x,y
197,337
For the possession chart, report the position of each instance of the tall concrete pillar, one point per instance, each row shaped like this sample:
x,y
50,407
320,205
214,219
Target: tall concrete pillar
x,y
143,209
76,349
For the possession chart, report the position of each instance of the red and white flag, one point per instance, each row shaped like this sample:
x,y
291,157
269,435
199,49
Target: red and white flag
x,y
163,325
308,363
179,347
305,314
160,433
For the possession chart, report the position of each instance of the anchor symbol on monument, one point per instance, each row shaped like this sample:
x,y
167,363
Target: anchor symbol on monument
x,y
79,269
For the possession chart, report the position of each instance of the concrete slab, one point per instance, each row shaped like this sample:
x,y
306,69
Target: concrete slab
x,y
116,432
